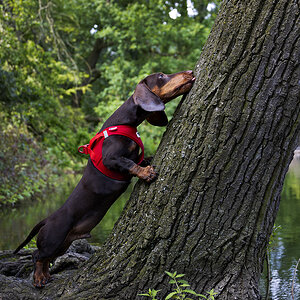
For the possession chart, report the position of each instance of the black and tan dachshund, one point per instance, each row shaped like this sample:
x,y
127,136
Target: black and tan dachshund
x,y
96,192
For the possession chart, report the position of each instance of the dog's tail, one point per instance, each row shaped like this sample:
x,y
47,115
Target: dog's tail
x,y
33,232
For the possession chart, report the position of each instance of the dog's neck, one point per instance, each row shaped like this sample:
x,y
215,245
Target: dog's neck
x,y
128,113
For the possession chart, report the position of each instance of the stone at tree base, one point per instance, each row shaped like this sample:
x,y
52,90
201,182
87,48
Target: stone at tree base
x,y
20,266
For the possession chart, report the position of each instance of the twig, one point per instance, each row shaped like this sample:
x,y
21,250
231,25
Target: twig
x,y
295,271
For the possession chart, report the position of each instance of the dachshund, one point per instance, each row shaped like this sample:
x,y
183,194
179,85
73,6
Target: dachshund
x,y
114,159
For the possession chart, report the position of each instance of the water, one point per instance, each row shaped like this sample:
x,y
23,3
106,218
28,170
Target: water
x,y
285,249
16,224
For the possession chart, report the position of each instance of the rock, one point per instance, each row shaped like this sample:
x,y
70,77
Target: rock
x,y
20,265
77,253
82,247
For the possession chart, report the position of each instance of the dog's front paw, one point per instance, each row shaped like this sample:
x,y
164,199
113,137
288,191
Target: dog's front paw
x,y
148,173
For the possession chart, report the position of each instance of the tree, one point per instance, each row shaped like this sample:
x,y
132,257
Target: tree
x,y
222,162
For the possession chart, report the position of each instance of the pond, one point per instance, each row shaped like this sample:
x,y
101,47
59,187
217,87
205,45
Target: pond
x,y
15,224
285,249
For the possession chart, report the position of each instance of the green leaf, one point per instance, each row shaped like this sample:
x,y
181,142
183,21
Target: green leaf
x,y
183,281
171,295
212,292
169,274
180,275
200,295
190,292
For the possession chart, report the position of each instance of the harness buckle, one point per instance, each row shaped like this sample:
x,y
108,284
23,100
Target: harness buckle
x,y
83,149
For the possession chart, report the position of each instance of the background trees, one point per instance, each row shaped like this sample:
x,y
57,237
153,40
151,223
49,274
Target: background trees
x,y
66,65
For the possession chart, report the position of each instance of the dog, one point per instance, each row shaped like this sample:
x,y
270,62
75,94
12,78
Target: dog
x,y
114,160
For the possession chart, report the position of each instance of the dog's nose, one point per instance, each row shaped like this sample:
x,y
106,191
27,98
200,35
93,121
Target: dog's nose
x,y
190,73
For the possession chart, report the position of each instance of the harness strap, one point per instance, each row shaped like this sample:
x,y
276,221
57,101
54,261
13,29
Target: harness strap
x,y
94,148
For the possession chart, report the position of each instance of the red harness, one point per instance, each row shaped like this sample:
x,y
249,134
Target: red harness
x,y
94,148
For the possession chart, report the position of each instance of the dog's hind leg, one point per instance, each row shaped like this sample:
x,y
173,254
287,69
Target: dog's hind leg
x,y
50,241
41,273
46,272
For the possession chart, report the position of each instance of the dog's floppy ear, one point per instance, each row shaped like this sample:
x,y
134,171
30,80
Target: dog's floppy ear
x,y
158,118
147,100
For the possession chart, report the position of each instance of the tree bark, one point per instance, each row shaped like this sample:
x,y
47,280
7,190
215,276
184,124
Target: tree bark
x,y
222,162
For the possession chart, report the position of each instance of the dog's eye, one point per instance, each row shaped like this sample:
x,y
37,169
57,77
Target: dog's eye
x,y
160,76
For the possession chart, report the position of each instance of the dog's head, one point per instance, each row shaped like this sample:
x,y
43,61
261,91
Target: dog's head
x,y
155,90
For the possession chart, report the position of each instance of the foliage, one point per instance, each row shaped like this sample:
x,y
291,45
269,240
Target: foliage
x,y
180,291
23,164
31,244
66,65
34,82
143,39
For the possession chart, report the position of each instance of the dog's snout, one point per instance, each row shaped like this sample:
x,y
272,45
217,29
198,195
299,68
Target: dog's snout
x,y
189,74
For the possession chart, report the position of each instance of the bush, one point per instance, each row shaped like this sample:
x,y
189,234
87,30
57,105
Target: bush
x,y
24,169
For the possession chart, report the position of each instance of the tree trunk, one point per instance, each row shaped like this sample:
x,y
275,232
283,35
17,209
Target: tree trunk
x,y
222,162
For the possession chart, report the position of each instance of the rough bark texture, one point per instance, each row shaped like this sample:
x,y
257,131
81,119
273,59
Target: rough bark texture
x,y
222,162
